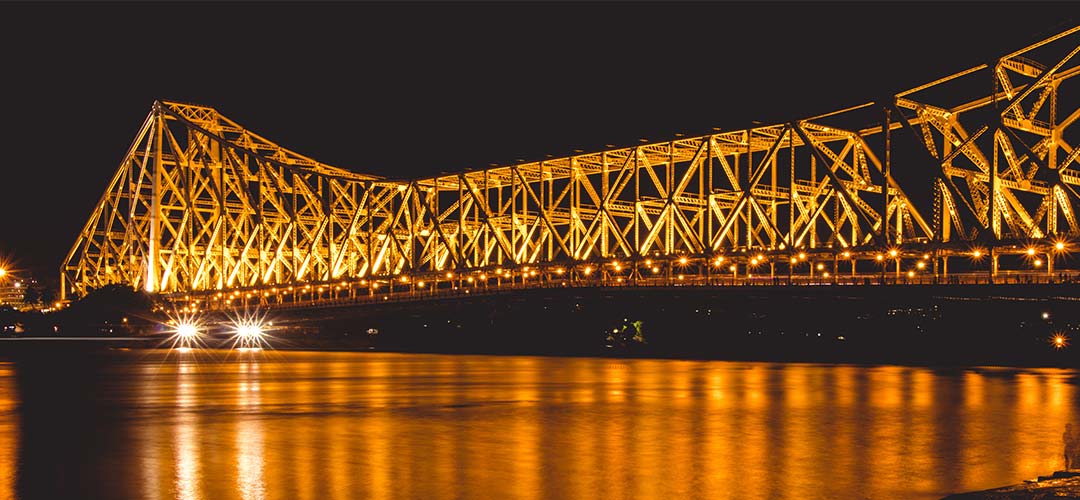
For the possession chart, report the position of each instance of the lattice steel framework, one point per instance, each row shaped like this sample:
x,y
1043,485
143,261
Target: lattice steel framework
x,y
199,203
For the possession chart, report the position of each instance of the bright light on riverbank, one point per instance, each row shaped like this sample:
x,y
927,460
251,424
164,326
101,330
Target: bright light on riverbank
x,y
187,330
250,332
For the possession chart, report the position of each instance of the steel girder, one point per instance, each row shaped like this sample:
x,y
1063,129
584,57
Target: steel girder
x,y
1008,165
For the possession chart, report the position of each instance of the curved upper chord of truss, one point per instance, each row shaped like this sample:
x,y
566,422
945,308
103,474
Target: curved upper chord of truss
x,y
199,203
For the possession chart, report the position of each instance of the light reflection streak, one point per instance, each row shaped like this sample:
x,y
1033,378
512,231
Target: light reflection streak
x,y
187,473
9,429
187,462
249,436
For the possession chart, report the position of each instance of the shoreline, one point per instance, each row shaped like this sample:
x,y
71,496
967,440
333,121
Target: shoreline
x,y
61,345
1060,485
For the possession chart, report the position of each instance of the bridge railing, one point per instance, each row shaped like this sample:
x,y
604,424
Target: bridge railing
x,y
348,296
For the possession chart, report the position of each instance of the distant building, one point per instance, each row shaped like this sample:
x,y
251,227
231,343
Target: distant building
x,y
12,291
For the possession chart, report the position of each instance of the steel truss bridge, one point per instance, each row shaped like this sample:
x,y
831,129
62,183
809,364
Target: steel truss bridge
x,y
203,210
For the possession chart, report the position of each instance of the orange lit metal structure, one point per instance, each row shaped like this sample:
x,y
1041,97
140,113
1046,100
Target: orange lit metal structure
x,y
199,204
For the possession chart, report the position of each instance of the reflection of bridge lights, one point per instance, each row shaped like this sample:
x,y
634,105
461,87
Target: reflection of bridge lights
x,y
1059,341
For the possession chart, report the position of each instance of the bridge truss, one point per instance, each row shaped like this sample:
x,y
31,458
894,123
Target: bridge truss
x,y
200,205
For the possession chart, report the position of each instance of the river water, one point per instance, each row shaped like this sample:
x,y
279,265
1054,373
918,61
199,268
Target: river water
x,y
326,425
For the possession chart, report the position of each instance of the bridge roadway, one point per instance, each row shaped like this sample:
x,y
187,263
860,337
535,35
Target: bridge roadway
x,y
348,294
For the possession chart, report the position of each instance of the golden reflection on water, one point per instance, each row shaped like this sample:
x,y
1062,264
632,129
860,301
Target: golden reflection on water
x,y
249,435
9,431
315,426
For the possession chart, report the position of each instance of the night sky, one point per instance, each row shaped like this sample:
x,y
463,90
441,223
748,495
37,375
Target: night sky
x,y
413,89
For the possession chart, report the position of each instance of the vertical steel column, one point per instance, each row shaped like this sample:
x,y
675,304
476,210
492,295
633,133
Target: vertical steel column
x,y
886,170
155,203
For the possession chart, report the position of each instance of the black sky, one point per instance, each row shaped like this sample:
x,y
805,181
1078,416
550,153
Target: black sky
x,y
412,89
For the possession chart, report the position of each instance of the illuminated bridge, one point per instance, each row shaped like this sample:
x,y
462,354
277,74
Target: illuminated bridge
x,y
970,178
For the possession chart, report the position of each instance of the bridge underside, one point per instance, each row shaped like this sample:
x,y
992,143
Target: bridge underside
x,y
201,206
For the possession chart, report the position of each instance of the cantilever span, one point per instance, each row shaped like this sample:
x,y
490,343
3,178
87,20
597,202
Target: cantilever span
x,y
200,205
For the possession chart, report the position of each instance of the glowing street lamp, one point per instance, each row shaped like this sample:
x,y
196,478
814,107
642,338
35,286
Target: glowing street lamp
x,y
1059,341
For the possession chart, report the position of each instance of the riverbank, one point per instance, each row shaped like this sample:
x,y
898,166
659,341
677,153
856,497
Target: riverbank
x,y
1061,488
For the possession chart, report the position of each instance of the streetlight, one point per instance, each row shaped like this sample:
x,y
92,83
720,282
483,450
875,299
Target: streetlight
x,y
1059,247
